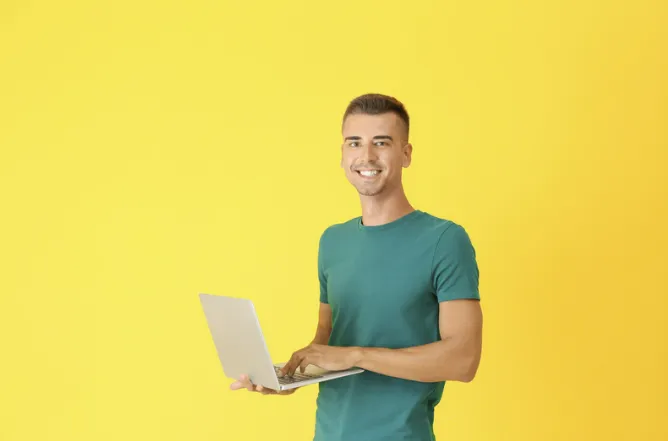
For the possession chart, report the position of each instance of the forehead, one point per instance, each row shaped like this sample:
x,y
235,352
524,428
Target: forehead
x,y
372,125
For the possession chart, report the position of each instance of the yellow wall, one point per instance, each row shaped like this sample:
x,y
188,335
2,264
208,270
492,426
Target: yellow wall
x,y
155,150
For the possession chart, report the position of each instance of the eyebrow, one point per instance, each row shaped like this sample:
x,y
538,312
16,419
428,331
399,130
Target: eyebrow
x,y
357,138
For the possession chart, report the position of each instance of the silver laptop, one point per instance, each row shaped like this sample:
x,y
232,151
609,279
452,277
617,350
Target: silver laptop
x,y
242,349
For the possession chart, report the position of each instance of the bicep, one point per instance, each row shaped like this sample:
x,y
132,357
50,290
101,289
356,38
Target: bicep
x,y
455,269
461,319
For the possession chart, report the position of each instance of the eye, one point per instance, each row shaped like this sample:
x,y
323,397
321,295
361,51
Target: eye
x,y
380,143
353,144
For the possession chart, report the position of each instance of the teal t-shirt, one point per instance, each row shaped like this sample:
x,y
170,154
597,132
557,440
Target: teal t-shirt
x,y
384,284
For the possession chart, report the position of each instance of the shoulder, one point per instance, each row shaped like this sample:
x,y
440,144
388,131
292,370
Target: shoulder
x,y
338,230
443,227
447,234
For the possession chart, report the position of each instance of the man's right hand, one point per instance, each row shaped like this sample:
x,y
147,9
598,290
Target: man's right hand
x,y
245,383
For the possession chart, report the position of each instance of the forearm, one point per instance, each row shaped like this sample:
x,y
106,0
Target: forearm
x,y
322,335
449,359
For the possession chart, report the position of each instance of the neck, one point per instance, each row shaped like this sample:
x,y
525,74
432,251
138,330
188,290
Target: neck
x,y
383,209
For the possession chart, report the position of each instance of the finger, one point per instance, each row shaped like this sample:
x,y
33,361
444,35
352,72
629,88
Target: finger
x,y
303,365
289,367
241,383
285,369
293,365
246,382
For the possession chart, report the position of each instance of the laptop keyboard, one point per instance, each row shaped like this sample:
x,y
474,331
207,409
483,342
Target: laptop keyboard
x,y
297,376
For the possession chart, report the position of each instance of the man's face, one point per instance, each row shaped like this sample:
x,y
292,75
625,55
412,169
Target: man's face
x,y
374,151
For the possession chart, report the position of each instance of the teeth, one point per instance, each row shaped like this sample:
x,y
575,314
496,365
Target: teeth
x,y
368,173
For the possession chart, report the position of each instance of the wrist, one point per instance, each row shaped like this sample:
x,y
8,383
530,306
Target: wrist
x,y
355,356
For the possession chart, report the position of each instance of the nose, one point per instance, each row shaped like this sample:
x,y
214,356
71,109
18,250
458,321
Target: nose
x,y
368,153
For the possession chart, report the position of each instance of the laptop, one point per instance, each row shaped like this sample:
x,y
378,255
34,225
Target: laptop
x,y
242,349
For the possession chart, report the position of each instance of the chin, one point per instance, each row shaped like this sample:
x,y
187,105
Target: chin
x,y
370,191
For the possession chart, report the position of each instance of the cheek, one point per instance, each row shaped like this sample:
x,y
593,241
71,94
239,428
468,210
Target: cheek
x,y
393,162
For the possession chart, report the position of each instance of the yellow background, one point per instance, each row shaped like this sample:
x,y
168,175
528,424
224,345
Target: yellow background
x,y
154,150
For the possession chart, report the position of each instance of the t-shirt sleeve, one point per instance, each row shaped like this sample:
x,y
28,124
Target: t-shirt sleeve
x,y
455,269
322,276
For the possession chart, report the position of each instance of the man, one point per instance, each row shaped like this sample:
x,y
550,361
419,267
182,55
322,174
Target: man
x,y
398,295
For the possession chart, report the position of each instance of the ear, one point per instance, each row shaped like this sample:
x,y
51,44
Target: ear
x,y
407,155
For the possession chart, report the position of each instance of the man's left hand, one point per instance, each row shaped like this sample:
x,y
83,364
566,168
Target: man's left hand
x,y
331,358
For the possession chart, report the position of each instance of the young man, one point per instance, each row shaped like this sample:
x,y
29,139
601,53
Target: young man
x,y
398,295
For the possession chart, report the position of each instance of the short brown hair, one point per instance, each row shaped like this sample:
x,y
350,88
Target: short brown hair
x,y
377,104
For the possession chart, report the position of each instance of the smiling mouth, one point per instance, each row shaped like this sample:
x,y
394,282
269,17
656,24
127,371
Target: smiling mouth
x,y
368,173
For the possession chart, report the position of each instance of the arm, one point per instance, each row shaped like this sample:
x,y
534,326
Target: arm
x,y
455,357
321,339
324,329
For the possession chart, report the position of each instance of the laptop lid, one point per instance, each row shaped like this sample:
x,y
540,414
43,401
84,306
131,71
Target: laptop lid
x,y
238,339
